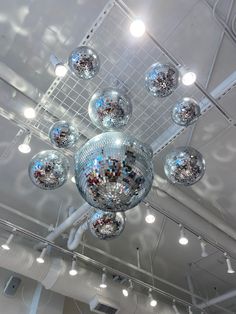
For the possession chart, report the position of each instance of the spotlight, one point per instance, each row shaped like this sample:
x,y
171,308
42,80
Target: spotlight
x,y
183,240
73,179
137,28
59,68
40,259
103,283
6,245
73,271
152,301
190,310
175,307
126,291
203,247
230,269
150,219
25,148
188,78
29,113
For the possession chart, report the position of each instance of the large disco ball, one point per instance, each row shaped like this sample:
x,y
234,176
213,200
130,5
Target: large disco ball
x,y
161,79
63,135
186,112
106,225
110,109
113,171
184,165
84,62
48,169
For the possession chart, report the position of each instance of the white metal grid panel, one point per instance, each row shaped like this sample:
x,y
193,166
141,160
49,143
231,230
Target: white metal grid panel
x,y
124,61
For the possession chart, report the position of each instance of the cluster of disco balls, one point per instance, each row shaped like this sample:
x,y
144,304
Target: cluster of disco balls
x,y
113,171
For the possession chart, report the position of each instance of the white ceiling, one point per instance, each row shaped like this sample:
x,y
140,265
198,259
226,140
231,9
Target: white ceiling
x,y
29,32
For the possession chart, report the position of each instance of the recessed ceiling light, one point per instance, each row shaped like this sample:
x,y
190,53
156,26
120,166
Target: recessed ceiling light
x,y
24,148
150,219
60,70
137,28
29,113
189,78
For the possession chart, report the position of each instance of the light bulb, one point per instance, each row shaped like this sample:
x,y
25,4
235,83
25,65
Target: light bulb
x,y
24,148
183,240
150,219
29,113
153,303
137,28
125,292
5,247
73,271
189,78
103,284
40,259
73,179
60,70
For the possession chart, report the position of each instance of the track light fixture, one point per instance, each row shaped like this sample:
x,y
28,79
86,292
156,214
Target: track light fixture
x,y
183,240
126,291
137,28
103,283
150,218
40,259
203,247
29,113
188,77
73,271
230,269
175,307
59,68
25,146
190,310
6,245
152,301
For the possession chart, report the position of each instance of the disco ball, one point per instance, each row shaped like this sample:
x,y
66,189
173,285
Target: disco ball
x,y
106,225
184,166
84,62
48,169
161,79
113,171
186,112
109,109
63,135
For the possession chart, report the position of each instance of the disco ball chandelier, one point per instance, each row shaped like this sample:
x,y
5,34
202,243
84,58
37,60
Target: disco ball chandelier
x,y
113,170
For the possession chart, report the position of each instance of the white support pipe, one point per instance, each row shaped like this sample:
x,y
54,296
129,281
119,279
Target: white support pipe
x,y
75,236
219,299
69,222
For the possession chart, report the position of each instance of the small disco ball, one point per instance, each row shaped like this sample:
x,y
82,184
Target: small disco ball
x,y
109,109
106,225
48,169
84,62
186,112
113,171
161,79
184,166
63,135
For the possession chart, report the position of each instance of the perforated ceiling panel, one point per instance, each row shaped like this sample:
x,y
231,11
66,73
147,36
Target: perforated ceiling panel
x,y
124,61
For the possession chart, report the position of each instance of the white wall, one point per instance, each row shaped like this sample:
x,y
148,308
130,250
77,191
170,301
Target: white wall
x,y
50,302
